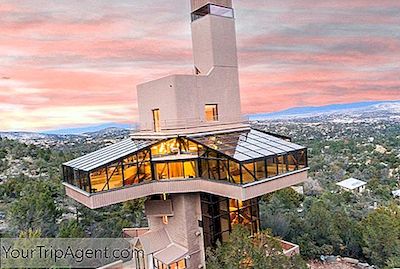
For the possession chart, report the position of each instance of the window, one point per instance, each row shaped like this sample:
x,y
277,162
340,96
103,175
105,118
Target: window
x,y
272,167
260,170
156,120
248,173
212,10
220,214
221,11
211,112
292,162
282,164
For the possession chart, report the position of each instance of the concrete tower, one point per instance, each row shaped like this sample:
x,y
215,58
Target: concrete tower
x,y
200,166
211,96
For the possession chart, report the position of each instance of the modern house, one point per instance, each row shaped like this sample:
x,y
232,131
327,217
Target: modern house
x,y
198,162
353,185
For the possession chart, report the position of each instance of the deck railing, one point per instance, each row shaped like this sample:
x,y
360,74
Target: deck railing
x,y
189,123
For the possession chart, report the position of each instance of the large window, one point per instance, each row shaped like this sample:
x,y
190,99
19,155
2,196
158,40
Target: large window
x,y
175,170
211,112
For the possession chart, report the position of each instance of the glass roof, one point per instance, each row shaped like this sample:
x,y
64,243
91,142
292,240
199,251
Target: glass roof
x,y
242,146
247,145
109,154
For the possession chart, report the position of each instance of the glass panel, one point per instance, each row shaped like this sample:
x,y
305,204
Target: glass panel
x,y
201,12
271,167
234,171
211,112
130,174
204,168
221,11
170,147
302,158
225,223
161,170
188,147
144,171
68,175
213,169
131,159
241,157
182,264
260,170
292,162
281,164
248,173
223,170
98,180
175,170
190,169
233,205
223,205
143,155
115,177
245,217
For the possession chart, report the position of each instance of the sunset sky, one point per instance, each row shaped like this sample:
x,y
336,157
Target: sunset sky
x,y
68,63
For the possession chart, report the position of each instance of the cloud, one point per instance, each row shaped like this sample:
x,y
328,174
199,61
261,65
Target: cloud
x,y
67,63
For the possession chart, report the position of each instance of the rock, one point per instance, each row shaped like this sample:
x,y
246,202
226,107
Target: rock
x,y
380,149
330,259
350,260
363,265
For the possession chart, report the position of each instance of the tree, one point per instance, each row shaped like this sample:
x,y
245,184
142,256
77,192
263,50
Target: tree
x,y
381,234
71,229
35,209
258,252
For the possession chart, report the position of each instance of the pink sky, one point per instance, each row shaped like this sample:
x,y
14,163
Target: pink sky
x,y
71,63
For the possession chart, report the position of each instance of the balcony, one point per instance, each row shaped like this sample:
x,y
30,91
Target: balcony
x,y
216,187
189,125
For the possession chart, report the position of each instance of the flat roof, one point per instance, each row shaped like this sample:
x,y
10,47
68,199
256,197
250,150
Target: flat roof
x,y
351,183
247,145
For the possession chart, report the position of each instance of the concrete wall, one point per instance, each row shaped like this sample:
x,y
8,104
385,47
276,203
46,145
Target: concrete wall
x,y
214,43
183,226
182,98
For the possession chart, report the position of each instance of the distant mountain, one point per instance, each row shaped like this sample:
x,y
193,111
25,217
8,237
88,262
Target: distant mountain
x,y
88,129
359,107
29,136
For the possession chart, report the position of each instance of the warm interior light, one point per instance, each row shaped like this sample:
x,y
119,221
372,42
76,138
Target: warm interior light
x,y
165,220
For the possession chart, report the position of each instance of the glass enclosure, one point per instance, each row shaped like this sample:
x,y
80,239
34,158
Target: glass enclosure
x,y
212,10
183,158
221,214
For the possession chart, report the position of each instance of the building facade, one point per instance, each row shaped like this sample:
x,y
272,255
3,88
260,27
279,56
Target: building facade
x,y
198,162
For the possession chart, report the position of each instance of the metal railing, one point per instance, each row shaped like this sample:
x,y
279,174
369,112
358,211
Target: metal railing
x,y
189,123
